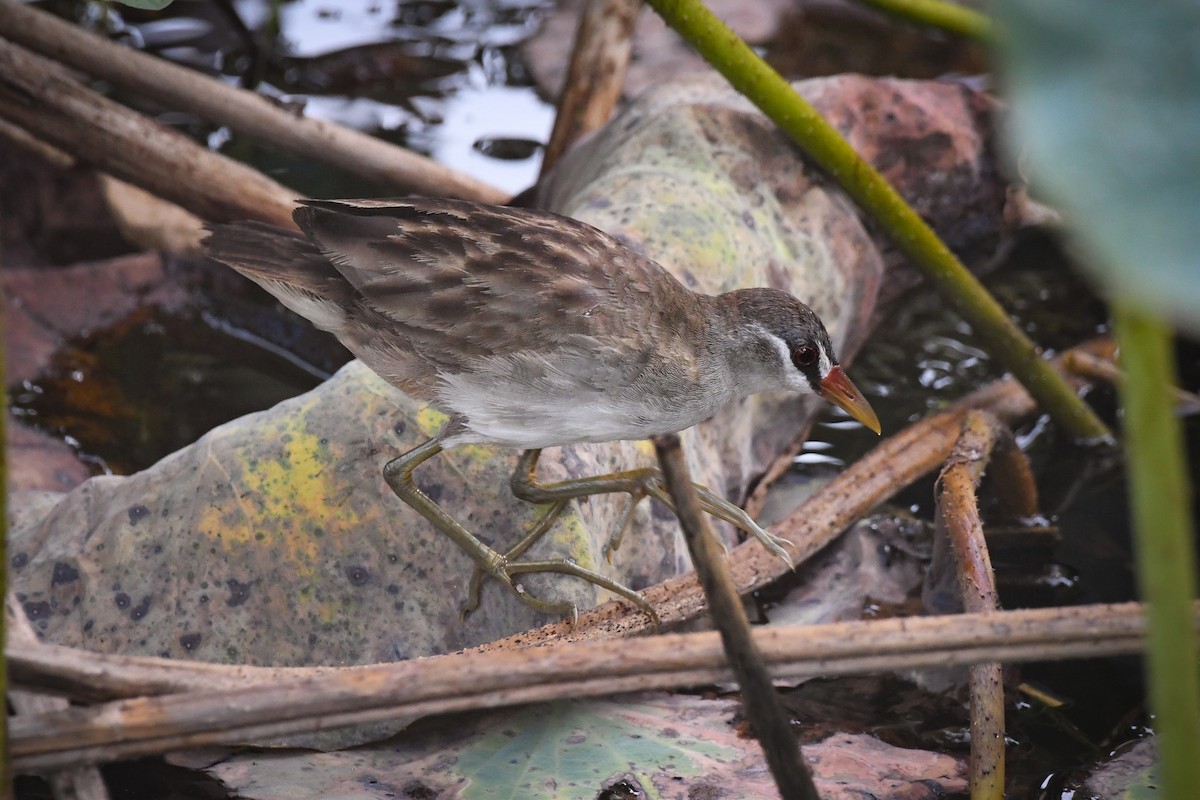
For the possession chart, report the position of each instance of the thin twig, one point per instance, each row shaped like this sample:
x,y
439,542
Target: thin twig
x,y
599,59
766,715
1097,368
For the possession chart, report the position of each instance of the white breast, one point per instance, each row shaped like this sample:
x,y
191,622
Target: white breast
x,y
532,406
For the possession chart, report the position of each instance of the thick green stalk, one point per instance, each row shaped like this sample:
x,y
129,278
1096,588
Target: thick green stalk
x,y
1166,556
949,17
751,76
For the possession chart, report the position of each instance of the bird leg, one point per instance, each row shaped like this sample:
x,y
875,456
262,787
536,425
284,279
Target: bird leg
x,y
398,473
638,484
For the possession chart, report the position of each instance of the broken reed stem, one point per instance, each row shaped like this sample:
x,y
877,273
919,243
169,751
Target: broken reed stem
x,y
958,521
277,705
82,782
599,60
768,720
1094,367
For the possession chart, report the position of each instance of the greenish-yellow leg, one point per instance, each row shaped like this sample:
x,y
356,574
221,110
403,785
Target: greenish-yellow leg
x,y
398,474
638,484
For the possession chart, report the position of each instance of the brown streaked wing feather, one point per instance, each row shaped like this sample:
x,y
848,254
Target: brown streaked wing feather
x,y
463,280
266,252
293,269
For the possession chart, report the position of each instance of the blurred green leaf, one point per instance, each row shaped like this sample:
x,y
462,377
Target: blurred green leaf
x,y
1106,113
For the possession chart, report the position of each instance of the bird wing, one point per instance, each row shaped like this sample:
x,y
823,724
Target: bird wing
x,y
427,287
462,280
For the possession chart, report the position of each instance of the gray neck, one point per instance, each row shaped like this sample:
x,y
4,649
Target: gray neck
x,y
740,345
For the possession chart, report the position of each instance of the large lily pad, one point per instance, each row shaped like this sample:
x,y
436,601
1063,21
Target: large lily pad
x,y
660,747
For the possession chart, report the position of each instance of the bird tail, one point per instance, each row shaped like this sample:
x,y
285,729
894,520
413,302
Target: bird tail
x,y
287,265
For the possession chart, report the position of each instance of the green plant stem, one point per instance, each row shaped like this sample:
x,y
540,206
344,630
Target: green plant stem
x,y
949,17
751,76
1166,557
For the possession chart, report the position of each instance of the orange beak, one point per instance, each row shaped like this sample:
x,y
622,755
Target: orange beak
x,y
839,390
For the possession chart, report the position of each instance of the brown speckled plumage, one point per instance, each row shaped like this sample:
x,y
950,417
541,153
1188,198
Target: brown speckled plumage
x,y
502,315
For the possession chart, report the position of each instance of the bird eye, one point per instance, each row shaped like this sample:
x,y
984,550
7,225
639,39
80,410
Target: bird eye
x,y
804,356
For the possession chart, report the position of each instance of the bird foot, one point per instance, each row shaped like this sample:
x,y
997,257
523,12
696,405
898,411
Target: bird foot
x,y
649,482
506,573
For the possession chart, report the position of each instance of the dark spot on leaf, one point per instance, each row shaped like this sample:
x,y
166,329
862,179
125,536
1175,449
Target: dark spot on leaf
x,y
393,589
87,626
239,593
122,600
419,791
137,514
576,738
358,575
141,609
190,641
37,611
400,427
63,573
203,599
20,560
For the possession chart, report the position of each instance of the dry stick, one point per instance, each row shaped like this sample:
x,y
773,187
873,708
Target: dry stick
x,y
766,715
81,782
96,677
485,680
1096,368
168,740
958,522
146,221
176,87
603,44
43,98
